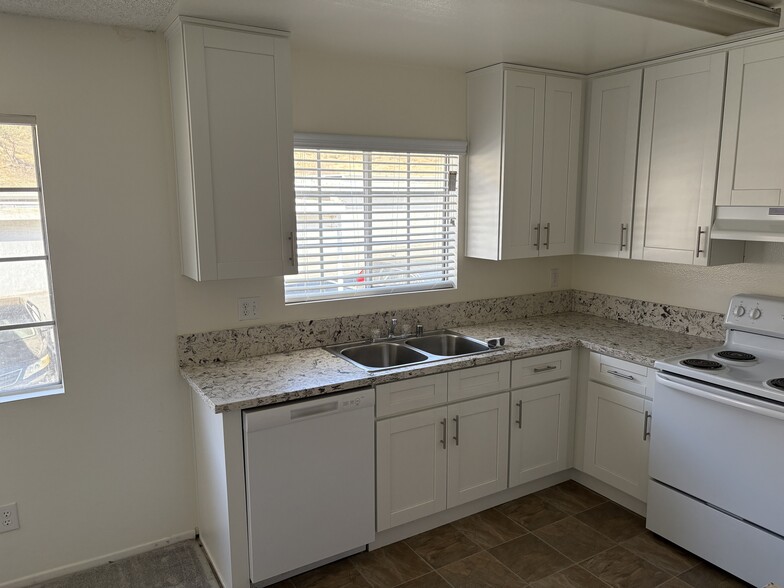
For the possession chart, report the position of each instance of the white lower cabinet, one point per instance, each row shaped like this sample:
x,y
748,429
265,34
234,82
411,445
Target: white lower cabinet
x,y
411,461
617,438
539,431
478,455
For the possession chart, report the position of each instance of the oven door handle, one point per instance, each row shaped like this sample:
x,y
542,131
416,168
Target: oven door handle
x,y
760,407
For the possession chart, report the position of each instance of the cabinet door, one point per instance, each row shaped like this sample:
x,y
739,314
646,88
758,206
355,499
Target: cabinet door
x,y
521,169
411,460
678,152
539,432
613,124
616,439
560,165
238,100
751,172
478,448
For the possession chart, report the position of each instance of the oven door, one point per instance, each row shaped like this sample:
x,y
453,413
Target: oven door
x,y
721,447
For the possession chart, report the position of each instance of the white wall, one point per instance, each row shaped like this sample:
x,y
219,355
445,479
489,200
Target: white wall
x,y
108,465
705,288
347,95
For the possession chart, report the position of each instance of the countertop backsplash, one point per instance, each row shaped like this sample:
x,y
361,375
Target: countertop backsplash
x,y
235,344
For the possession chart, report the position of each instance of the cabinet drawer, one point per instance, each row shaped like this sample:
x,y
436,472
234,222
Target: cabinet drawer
x,y
413,394
531,371
619,373
478,381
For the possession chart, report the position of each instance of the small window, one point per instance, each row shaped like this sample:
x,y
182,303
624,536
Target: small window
x,y
374,216
29,351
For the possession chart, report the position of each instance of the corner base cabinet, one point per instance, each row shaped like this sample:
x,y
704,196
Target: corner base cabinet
x,y
231,111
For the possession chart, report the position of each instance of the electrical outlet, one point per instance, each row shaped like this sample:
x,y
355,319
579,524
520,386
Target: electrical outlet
x,y
9,518
555,275
248,308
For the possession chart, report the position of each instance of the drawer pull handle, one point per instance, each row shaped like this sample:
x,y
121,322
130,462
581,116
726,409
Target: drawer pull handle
x,y
548,368
519,420
620,375
646,430
443,433
457,430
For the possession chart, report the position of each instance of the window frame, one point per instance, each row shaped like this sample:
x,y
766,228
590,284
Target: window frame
x,y
13,394
394,146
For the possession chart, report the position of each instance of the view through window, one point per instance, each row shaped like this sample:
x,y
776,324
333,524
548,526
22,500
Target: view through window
x,y
29,357
373,222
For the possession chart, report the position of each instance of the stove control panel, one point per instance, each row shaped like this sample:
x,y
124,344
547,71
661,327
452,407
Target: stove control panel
x,y
756,314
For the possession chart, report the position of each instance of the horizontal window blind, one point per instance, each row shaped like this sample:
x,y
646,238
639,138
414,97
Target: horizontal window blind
x,y
373,222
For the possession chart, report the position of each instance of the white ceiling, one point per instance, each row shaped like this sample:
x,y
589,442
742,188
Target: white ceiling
x,y
461,34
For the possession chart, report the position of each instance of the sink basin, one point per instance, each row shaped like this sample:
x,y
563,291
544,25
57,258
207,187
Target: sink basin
x,y
382,355
401,351
447,344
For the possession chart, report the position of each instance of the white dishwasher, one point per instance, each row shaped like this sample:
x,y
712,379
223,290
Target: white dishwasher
x,y
309,475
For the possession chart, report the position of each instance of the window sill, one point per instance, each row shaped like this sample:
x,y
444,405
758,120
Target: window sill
x,y
24,395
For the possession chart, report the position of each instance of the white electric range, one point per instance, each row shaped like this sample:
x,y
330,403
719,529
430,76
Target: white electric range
x,y
717,446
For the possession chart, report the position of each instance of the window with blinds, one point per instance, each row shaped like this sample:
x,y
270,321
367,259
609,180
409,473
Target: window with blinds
x,y
374,220
29,351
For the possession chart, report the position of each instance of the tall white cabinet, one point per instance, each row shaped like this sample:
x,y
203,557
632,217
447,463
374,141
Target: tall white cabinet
x,y
524,133
751,172
680,126
613,115
231,106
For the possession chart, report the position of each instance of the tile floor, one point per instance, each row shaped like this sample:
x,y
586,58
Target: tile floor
x,y
562,537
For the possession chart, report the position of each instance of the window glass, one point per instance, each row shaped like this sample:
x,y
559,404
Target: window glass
x,y
29,351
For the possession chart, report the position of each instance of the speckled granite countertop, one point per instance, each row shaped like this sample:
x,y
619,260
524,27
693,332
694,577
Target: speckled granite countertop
x,y
269,379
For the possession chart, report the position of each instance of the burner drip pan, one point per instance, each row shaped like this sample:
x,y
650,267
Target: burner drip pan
x,y
777,383
702,364
736,355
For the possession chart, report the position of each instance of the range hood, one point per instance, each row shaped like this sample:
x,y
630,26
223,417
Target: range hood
x,y
749,223
723,17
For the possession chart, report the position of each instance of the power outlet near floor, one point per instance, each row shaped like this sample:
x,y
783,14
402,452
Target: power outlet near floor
x,y
248,308
9,518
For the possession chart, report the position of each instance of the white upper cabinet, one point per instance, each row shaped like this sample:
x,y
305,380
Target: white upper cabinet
x,y
611,162
231,106
751,172
524,133
680,125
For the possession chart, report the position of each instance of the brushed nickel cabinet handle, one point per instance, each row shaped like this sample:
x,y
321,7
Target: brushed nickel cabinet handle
x,y
292,249
457,430
545,369
538,235
443,433
624,235
646,431
620,375
519,420
547,239
700,233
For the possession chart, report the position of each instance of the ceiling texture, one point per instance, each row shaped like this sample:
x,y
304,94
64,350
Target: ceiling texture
x,y
568,35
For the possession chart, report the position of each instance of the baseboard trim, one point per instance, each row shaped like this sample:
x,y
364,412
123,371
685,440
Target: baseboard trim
x,y
96,561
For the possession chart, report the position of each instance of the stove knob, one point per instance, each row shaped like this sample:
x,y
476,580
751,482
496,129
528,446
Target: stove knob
x,y
739,311
756,313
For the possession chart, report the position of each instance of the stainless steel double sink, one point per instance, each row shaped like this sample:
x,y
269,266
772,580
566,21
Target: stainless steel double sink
x,y
386,354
